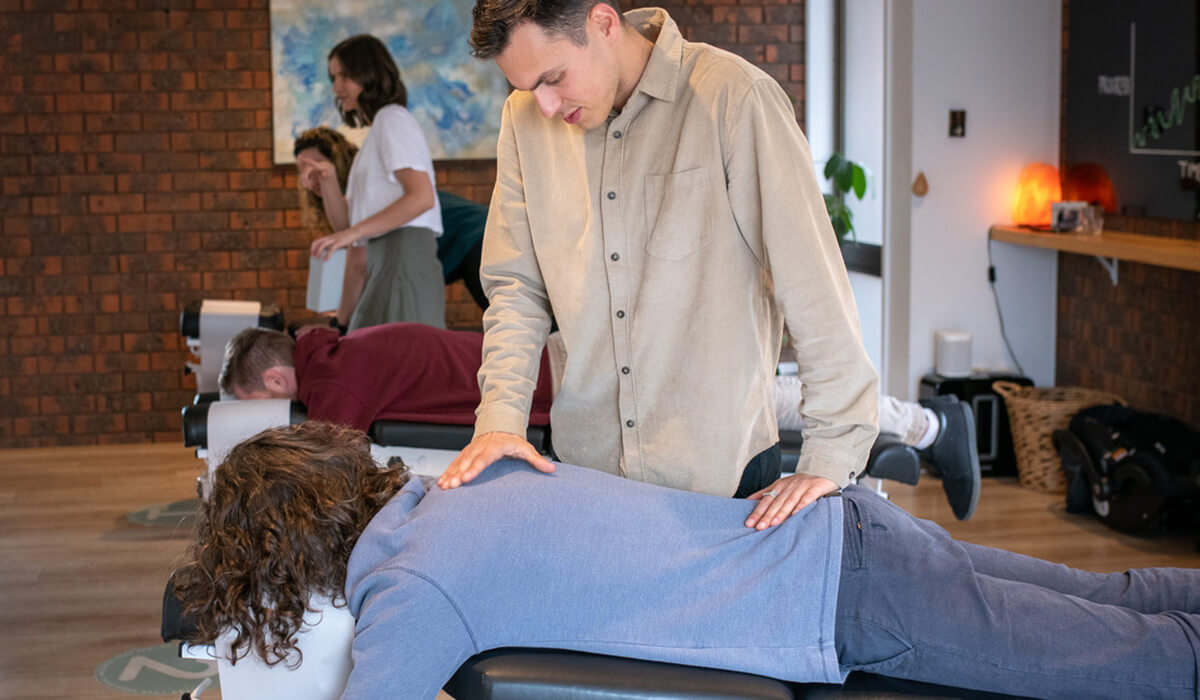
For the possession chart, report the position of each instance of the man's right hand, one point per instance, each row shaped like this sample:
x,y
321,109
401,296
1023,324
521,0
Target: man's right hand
x,y
486,449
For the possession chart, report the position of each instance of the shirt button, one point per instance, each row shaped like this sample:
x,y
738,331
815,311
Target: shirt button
x,y
620,314
612,195
851,475
624,370
616,134
615,257
629,424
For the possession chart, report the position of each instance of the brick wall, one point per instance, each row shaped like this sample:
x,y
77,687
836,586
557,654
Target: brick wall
x,y
137,176
1137,339
768,33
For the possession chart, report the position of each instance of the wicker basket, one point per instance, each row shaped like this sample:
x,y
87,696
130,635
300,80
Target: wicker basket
x,y
1034,414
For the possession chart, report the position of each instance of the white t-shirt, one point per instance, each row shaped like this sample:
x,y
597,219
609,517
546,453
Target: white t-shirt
x,y
395,142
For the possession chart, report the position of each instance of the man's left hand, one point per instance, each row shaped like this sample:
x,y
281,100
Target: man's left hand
x,y
791,495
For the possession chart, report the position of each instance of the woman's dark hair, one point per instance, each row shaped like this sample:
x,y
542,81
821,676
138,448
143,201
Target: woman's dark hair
x,y
287,507
495,20
367,62
341,152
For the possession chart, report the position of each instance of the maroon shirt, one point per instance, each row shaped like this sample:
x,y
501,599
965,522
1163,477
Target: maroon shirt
x,y
398,371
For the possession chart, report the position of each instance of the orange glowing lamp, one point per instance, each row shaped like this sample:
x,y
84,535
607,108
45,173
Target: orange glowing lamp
x,y
1089,182
1037,187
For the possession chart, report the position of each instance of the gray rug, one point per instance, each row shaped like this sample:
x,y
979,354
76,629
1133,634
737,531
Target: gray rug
x,y
180,514
157,670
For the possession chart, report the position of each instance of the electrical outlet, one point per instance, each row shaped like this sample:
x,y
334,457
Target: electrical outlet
x,y
958,123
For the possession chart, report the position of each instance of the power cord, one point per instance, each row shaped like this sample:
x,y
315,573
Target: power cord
x,y
999,313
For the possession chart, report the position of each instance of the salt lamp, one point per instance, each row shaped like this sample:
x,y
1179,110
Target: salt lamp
x,y
1037,187
1089,182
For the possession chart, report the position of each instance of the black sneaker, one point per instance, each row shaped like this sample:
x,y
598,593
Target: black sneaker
x,y
954,454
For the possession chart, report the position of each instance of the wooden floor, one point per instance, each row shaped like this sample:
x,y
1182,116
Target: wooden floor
x,y
80,584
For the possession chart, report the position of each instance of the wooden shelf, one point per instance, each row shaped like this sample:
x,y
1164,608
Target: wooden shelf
x,y
1152,250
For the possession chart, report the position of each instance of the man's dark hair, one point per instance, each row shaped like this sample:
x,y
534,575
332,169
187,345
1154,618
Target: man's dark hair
x,y
286,509
367,62
495,21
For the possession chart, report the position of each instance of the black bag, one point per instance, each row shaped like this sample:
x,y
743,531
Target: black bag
x,y
1139,472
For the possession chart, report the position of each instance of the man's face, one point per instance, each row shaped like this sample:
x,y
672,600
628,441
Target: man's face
x,y
577,84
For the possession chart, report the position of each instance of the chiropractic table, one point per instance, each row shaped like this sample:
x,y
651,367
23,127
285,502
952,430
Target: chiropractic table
x,y
213,427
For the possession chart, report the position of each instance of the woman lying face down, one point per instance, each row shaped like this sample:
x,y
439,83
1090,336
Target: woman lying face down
x,y
586,561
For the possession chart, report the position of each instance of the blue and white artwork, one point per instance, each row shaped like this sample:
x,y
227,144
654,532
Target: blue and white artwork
x,y
456,98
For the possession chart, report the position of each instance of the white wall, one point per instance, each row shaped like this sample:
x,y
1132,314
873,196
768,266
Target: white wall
x,y
863,143
999,61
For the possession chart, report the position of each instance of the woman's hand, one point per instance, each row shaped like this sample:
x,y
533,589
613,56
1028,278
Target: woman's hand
x,y
324,246
313,171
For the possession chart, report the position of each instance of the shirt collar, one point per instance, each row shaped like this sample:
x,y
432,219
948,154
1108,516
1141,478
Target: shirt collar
x,y
662,69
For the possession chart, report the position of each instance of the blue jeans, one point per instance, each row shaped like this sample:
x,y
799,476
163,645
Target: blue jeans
x,y
916,604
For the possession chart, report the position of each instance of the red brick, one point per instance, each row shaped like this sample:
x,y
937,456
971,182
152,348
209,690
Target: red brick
x,y
66,364
198,141
116,203
168,81
143,223
202,221
30,185
141,102
227,160
142,143
54,123
27,144
248,99
199,101
140,60
223,201
202,181
110,82
255,219
61,284
83,102
85,143
87,184
114,122
83,63
169,121
144,182
147,262
172,201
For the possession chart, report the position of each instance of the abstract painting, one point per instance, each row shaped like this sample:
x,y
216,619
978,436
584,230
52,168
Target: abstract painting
x,y
456,98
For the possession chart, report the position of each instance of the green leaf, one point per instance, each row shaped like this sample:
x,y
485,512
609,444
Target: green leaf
x,y
860,181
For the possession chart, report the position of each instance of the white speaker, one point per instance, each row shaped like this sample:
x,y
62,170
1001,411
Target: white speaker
x,y
952,354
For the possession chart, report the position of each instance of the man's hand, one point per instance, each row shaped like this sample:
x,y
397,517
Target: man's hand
x,y
486,449
791,494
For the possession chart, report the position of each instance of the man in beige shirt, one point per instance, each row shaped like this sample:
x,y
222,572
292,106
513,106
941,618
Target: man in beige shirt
x,y
657,199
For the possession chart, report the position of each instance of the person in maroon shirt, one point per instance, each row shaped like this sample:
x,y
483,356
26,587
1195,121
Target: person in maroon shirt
x,y
417,373
396,371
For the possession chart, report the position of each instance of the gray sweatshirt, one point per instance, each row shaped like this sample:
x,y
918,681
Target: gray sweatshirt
x,y
586,561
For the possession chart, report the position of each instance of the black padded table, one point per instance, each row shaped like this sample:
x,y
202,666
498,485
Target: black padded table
x,y
540,674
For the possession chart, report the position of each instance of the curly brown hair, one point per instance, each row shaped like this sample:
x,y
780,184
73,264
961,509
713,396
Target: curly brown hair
x,y
340,151
287,507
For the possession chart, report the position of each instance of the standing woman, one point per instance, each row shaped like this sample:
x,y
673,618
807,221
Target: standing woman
x,y
390,202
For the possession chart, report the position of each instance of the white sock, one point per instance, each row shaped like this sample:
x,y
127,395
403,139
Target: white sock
x,y
933,426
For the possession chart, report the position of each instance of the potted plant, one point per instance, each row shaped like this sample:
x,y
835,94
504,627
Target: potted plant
x,y
846,176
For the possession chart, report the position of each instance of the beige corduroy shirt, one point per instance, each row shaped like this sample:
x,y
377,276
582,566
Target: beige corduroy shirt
x,y
671,244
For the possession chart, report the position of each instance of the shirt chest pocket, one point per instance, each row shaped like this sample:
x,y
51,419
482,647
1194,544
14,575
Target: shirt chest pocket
x,y
678,214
